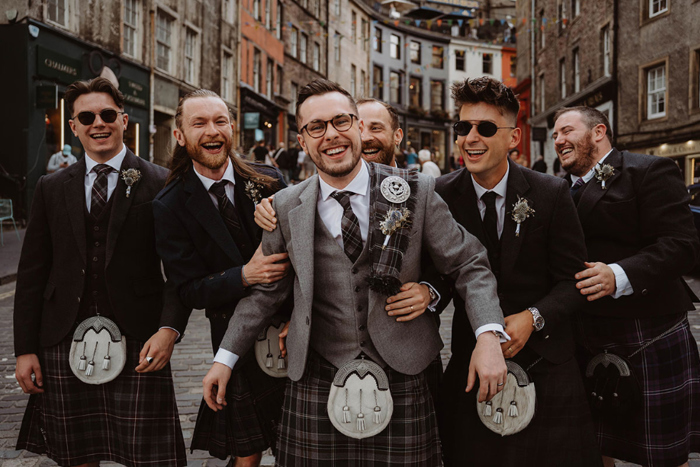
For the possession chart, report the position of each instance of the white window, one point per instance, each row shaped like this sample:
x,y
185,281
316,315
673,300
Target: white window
x,y
353,73
395,87
353,28
317,8
606,51
460,60
363,78
336,47
575,8
293,42
562,77
577,72
164,40
395,46
227,10
256,9
227,76
278,21
377,40
415,52
268,88
438,57
542,94
268,14
132,15
57,11
336,3
540,28
293,98
257,70
656,7
656,92
317,57
365,34
436,95
191,55
302,47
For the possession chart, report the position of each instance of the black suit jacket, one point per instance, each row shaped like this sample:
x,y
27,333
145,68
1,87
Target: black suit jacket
x,y
51,273
538,266
642,222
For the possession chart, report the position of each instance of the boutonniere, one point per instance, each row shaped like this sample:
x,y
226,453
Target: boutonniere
x,y
395,219
130,177
254,191
603,173
521,211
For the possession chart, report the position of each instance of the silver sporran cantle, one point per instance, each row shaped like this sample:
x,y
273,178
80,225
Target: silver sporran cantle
x,y
98,351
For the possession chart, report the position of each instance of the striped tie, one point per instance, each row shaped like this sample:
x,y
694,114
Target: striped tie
x,y
576,186
99,189
232,219
352,238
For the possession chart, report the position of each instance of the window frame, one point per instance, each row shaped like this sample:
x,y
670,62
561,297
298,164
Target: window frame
x,y
377,40
161,43
191,57
398,89
135,40
661,91
226,79
395,46
440,64
415,49
487,63
460,56
562,78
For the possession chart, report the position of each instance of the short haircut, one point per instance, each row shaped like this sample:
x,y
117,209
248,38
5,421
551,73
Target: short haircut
x,y
393,114
590,117
98,84
319,87
488,91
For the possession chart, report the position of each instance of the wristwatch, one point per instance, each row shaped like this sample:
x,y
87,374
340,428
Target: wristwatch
x,y
537,319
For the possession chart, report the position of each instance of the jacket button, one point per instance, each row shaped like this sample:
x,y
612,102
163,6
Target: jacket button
x,y
354,270
359,307
645,291
97,243
82,272
362,343
547,336
94,259
362,327
78,299
357,288
97,228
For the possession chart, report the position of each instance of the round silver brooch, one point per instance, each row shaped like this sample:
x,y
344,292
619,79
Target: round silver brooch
x,y
395,189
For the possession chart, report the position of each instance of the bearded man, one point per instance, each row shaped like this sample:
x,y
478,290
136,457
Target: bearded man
x,y
209,244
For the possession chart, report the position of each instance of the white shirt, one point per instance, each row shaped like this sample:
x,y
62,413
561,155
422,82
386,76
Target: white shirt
x,y
622,282
112,177
431,168
230,187
500,189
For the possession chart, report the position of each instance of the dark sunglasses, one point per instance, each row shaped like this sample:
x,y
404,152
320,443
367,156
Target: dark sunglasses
x,y
88,118
485,129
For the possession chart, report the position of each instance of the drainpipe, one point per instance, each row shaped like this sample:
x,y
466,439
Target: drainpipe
x,y
533,85
616,101
151,83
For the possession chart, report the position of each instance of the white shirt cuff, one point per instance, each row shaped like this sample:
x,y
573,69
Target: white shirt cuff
x,y
622,283
433,304
493,327
225,357
168,327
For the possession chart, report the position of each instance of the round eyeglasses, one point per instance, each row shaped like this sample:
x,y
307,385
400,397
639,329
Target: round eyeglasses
x,y
317,128
88,118
485,129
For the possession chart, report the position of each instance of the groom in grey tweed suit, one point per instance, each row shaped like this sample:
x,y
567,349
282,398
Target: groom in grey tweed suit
x,y
337,317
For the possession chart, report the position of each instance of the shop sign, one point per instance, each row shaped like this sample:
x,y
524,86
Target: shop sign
x,y
458,3
672,150
251,120
55,65
136,94
46,97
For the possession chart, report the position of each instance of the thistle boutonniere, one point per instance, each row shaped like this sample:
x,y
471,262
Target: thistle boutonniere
x,y
254,190
603,173
395,219
130,177
521,211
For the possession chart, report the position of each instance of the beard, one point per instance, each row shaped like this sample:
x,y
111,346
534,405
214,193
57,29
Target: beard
x,y
338,170
384,156
585,153
210,161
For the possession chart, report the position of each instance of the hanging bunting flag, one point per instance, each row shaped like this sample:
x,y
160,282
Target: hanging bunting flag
x,y
418,22
439,22
481,21
460,21
396,22
449,22
491,22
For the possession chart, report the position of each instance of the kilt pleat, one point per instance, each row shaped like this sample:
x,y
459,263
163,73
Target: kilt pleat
x,y
131,420
666,429
308,439
560,433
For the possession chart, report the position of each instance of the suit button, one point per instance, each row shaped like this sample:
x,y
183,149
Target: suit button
x,y
223,315
222,273
359,307
357,288
82,272
97,243
354,270
97,228
307,320
362,343
78,299
547,336
645,291
94,259
362,327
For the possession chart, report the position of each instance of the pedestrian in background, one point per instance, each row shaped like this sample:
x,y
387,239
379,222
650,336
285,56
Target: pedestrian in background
x,y
61,160
540,165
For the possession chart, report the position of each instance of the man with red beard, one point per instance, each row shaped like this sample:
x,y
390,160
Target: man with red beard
x,y
208,241
641,239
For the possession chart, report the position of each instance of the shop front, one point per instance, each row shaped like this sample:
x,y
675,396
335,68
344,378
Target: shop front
x,y
260,119
686,155
433,135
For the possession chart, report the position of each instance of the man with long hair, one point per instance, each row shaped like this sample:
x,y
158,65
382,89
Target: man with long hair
x,y
209,244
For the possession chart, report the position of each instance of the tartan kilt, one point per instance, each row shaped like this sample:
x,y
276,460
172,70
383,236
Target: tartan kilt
x,y
307,438
666,428
131,420
560,434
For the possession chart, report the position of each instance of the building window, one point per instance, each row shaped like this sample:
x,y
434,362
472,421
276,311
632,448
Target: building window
x,y
256,9
317,9
460,60
164,39
280,76
577,72
363,78
415,52
415,92
278,21
269,78
353,28
131,27
656,92
542,94
395,87
395,46
377,82
268,14
302,47
377,40
606,51
353,74
293,98
562,77
191,50
336,3
227,10
293,43
317,57
513,66
540,29
438,54
227,76
436,95
561,15
575,8
365,34
257,70
695,79
336,47
487,64
656,7
57,11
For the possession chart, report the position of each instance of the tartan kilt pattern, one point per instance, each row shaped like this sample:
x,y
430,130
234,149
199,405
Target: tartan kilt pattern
x,y
560,434
131,420
307,438
666,429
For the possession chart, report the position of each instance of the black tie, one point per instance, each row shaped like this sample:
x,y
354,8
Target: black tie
x,y
98,199
490,221
577,186
232,220
352,238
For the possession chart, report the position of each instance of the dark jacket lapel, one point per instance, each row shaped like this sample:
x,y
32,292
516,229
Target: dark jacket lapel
x,y
467,212
593,193
510,243
120,203
75,203
202,208
246,209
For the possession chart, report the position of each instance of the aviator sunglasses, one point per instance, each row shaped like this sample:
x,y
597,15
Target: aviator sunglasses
x,y
88,118
485,129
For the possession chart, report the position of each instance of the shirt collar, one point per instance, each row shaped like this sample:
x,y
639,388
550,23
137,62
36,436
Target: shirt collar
x,y
499,189
115,162
208,182
589,175
359,185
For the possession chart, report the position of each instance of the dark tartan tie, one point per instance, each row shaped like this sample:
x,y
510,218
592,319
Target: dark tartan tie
x,y
576,186
232,220
490,220
98,199
352,238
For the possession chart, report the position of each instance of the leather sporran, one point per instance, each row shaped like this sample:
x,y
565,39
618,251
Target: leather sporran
x,y
512,409
98,351
611,386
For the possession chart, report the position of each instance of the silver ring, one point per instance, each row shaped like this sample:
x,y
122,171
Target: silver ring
x,y
149,360
500,384
411,308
